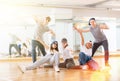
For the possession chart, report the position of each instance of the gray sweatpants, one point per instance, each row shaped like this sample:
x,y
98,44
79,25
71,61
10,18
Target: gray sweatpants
x,y
52,59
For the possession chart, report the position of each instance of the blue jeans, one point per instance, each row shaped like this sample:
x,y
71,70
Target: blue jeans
x,y
35,44
83,58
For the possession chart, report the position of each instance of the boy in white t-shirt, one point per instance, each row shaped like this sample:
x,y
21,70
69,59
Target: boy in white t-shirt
x,y
85,53
85,59
67,55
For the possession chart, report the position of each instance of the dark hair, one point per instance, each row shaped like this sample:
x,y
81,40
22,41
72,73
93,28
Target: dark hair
x,y
64,40
54,42
24,45
90,20
90,41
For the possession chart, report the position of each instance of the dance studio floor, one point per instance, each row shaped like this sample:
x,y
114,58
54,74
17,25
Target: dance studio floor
x,y
9,71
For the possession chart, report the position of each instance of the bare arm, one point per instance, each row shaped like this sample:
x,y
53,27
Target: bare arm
x,y
37,20
76,27
52,32
43,43
82,38
85,30
103,26
81,35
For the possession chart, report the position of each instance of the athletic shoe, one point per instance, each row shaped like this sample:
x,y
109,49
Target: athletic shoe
x,y
107,65
56,68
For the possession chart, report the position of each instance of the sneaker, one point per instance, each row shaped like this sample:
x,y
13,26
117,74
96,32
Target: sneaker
x,y
107,65
56,68
84,67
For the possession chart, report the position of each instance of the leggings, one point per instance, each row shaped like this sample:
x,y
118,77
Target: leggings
x,y
105,46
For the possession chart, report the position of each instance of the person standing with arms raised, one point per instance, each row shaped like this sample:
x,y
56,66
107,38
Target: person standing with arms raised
x,y
100,38
38,36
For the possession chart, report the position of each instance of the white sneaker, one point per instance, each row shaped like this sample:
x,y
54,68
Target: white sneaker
x,y
56,68
29,68
84,67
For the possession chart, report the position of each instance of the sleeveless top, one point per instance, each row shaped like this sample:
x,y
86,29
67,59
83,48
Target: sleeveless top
x,y
98,34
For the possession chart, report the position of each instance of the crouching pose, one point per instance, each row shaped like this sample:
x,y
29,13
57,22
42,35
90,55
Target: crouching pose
x,y
67,56
52,57
100,38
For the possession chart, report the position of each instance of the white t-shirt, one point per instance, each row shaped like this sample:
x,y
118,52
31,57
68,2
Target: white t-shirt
x,y
39,32
67,53
85,50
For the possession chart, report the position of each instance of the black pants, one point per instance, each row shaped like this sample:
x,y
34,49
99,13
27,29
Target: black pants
x,y
35,44
83,58
105,46
17,47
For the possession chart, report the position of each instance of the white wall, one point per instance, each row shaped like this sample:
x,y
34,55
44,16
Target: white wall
x,y
64,30
23,16
118,37
111,35
95,13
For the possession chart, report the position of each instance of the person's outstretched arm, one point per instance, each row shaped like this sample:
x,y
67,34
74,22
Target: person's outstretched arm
x,y
85,30
103,26
44,44
52,32
76,27
37,20
82,38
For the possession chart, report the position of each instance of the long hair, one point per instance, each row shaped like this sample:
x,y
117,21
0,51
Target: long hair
x,y
51,48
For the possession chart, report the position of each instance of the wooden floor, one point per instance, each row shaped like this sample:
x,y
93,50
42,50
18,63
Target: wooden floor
x,y
9,71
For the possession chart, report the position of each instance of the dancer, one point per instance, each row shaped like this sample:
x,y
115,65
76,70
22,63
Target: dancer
x,y
100,38
52,57
85,59
67,55
16,43
38,36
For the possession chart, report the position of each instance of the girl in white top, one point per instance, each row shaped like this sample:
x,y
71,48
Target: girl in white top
x,y
67,55
52,57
